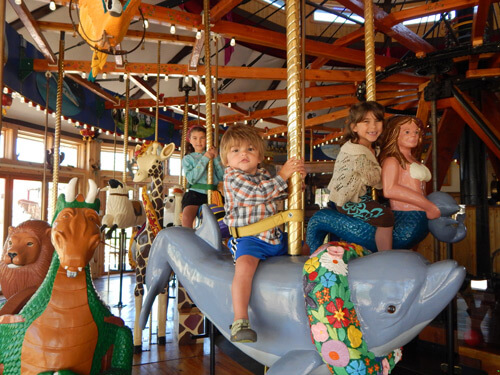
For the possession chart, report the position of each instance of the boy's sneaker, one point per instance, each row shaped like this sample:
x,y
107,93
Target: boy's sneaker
x,y
241,331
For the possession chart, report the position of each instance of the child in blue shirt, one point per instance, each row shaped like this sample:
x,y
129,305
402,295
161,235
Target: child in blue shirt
x,y
194,165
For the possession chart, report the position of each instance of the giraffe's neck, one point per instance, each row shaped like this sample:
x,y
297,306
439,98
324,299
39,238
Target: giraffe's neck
x,y
157,192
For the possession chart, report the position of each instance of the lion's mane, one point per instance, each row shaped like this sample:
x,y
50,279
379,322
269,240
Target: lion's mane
x,y
13,280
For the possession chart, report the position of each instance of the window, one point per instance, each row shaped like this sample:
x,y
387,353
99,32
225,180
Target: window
x,y
70,154
29,148
174,165
111,161
26,201
61,188
322,16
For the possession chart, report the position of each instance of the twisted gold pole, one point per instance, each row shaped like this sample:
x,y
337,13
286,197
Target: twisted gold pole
x,y
295,123
216,92
182,178
369,51
57,130
208,95
157,93
125,130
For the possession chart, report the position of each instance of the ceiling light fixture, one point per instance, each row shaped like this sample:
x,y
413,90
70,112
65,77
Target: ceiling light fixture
x,y
146,23
166,77
52,5
104,75
172,29
84,75
228,105
198,35
232,43
18,2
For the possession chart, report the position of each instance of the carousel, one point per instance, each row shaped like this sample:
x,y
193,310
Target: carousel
x,y
127,80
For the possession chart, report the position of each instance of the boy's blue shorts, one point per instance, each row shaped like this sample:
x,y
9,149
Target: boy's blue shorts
x,y
256,247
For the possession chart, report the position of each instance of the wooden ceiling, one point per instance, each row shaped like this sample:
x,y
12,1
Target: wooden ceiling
x,y
334,55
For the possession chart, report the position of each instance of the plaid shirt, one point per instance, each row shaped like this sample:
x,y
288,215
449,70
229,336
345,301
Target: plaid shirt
x,y
251,198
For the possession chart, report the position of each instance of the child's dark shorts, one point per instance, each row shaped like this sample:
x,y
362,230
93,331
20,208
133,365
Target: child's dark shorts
x,y
369,211
194,198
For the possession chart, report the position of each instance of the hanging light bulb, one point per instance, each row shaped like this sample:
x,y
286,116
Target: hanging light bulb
x,y
5,90
166,77
52,5
137,110
18,2
186,79
104,75
84,75
165,109
150,109
145,77
198,35
232,43
228,105
172,29
146,23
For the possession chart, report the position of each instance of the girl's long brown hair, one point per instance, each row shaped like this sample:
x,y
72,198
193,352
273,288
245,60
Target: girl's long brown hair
x,y
357,113
391,135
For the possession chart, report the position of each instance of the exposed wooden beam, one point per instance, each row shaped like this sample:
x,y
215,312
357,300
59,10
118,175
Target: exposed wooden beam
x,y
222,8
94,88
74,66
450,130
480,73
264,37
180,40
457,107
479,24
317,91
31,25
141,83
398,31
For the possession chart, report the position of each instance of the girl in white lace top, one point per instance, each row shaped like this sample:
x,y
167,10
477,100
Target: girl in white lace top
x,y
356,167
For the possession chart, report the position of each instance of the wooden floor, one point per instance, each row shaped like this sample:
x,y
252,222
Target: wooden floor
x,y
170,359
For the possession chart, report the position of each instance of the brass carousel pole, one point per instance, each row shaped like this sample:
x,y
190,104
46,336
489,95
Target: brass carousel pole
x,y
157,93
370,60
369,51
57,130
125,130
208,95
2,62
216,92
295,120
182,178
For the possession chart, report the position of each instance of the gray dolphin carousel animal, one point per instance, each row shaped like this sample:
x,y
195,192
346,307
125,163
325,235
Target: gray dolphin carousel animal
x,y
410,227
277,308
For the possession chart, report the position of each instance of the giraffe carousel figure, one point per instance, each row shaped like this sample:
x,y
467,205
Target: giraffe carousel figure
x,y
150,157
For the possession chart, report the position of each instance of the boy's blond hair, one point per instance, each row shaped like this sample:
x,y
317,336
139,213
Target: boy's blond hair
x,y
235,135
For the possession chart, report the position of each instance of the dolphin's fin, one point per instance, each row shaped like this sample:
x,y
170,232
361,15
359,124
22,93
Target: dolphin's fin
x,y
209,229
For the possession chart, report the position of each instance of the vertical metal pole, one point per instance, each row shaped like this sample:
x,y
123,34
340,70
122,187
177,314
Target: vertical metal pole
x,y
208,94
157,93
182,178
433,119
125,130
216,92
369,51
2,62
450,327
295,119
57,130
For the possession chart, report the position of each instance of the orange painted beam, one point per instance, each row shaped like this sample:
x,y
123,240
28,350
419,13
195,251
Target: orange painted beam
x,y
479,24
450,130
222,8
474,126
264,37
34,30
180,40
398,31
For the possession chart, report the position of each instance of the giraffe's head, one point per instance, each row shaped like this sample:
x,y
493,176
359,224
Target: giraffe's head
x,y
150,157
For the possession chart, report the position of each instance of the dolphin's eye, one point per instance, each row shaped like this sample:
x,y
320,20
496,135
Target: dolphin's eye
x,y
391,309
30,244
